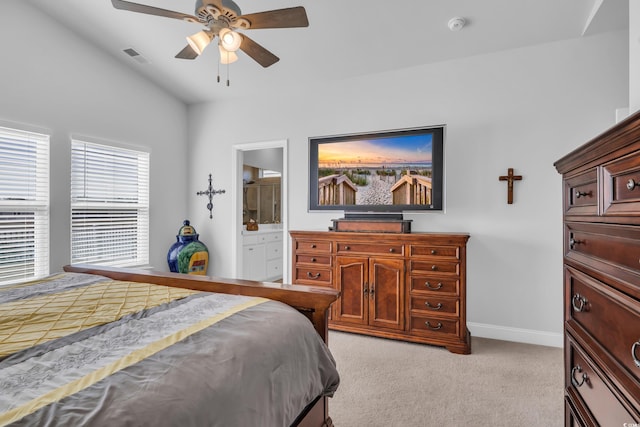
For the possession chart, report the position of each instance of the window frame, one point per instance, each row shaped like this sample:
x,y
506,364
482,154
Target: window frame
x,y
109,218
24,196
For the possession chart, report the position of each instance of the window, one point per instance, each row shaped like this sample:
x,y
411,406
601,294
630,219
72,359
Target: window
x,y
266,173
109,205
24,205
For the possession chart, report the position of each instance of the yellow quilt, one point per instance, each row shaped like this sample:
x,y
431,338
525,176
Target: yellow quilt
x,y
28,322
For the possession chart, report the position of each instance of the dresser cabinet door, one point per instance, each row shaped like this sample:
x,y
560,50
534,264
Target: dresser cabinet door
x,y
371,291
352,282
386,293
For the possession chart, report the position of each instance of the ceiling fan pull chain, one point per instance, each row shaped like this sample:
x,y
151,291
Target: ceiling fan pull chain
x,y
218,71
227,71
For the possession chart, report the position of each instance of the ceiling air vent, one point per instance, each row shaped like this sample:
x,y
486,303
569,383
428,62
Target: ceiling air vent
x,y
135,55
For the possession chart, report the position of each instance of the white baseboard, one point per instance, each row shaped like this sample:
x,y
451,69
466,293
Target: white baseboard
x,y
527,336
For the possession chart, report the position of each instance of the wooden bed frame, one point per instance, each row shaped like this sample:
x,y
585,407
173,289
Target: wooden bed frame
x,y
313,302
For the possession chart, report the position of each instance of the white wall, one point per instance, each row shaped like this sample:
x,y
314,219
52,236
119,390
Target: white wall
x,y
51,79
634,55
521,108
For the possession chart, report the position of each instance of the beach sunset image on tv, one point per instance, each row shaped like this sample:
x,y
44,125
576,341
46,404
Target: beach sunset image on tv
x,y
394,170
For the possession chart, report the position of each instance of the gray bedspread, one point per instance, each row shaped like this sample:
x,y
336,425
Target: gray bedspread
x,y
156,357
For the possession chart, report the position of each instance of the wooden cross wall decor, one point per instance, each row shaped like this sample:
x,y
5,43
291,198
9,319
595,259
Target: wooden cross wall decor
x,y
510,177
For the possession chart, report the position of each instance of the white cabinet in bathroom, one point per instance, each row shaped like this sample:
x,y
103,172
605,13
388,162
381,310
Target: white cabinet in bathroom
x,y
262,255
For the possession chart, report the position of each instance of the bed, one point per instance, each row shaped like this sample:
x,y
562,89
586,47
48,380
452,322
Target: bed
x,y
102,346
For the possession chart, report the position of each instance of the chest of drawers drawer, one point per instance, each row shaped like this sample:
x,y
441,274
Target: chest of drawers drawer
x,y
621,186
601,311
312,246
585,379
581,194
612,248
435,304
311,275
313,259
434,266
425,284
441,252
370,248
431,325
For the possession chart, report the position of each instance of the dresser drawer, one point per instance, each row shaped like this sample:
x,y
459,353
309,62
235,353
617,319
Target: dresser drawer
x,y
621,186
434,326
435,252
313,276
445,306
581,194
434,285
610,317
313,246
313,259
588,382
435,266
370,248
604,247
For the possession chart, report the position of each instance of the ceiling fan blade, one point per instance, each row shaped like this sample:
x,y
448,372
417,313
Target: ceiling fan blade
x,y
150,10
187,53
280,18
259,54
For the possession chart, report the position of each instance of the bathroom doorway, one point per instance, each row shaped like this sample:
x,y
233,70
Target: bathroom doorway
x,y
260,201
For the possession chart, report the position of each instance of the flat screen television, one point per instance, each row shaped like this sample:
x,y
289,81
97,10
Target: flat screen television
x,y
386,172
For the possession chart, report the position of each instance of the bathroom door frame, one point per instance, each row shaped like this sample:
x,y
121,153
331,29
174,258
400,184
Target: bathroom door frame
x,y
236,202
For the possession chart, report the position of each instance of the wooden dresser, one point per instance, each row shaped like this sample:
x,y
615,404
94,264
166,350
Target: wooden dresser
x,y
601,203
410,287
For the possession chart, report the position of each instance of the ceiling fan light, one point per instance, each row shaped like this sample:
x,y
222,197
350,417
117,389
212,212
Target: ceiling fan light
x,y
227,57
199,41
230,40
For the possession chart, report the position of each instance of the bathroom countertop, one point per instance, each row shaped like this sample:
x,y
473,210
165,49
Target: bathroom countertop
x,y
264,228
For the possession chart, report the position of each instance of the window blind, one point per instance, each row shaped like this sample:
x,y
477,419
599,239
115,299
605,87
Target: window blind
x,y
109,205
24,205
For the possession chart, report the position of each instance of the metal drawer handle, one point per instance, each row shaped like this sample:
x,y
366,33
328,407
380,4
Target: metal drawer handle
x,y
573,242
633,353
631,184
579,194
575,382
313,246
435,288
313,260
391,250
437,307
435,328
434,267
313,276
579,303
346,248
433,252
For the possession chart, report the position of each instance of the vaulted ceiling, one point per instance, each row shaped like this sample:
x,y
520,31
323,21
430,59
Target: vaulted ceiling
x,y
345,38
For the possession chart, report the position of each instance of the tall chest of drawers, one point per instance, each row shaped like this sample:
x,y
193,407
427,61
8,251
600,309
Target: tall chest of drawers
x,y
601,212
410,287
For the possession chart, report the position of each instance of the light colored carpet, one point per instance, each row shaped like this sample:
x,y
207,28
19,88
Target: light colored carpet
x,y
396,384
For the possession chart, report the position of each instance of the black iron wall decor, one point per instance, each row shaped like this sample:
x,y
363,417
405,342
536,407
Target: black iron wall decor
x,y
210,192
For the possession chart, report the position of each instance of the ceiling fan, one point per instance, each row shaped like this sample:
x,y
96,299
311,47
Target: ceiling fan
x,y
222,18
